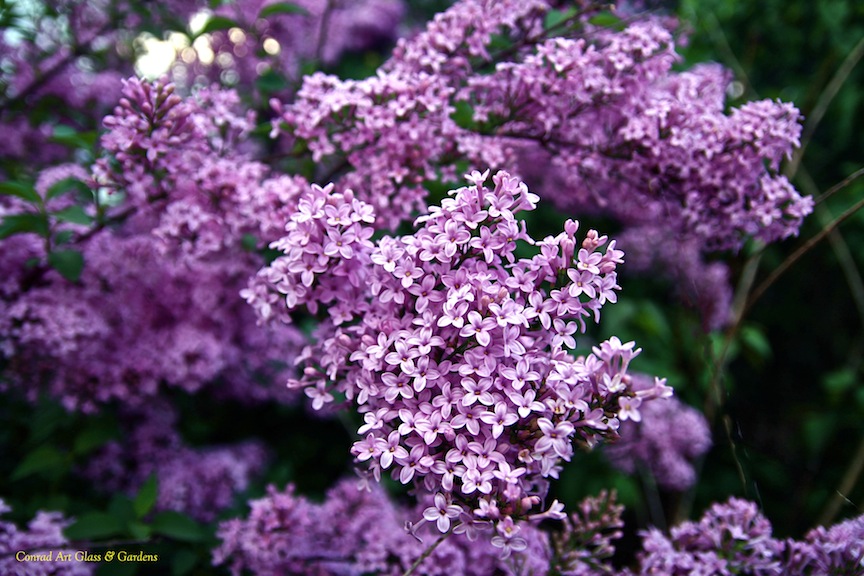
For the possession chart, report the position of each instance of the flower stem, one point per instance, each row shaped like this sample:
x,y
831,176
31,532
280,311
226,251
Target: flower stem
x,y
426,554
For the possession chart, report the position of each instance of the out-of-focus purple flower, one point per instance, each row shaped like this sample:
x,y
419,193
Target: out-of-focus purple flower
x,y
835,550
731,538
351,532
41,549
666,441
197,481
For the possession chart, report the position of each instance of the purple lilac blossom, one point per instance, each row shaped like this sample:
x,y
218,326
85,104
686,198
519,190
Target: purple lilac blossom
x,y
735,538
632,139
354,531
838,550
138,320
43,536
631,131
198,481
71,57
665,442
454,350
731,538
157,302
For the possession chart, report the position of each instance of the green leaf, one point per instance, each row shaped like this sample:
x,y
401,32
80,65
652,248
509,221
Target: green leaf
x,y
122,509
177,526
838,382
249,243
41,459
557,17
183,562
282,8
269,82
20,190
68,136
755,341
75,215
95,435
93,526
23,223
138,530
67,185
605,19
216,23
463,115
69,263
146,496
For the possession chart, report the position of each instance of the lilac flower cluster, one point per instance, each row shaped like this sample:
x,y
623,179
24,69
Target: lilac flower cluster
x,y
186,165
617,131
351,532
669,436
43,536
835,550
355,531
455,351
730,538
630,131
198,481
735,538
136,321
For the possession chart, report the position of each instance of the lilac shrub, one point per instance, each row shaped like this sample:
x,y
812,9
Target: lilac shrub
x,y
155,302
664,443
594,119
359,531
44,540
731,538
455,351
356,531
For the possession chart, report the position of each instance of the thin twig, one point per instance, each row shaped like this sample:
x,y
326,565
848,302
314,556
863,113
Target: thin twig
x,y
426,554
841,249
839,186
323,31
825,99
722,44
795,256
850,478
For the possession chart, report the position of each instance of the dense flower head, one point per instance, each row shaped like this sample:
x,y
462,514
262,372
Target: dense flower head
x,y
351,532
665,442
454,349
838,549
619,131
137,321
43,536
731,538
631,136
